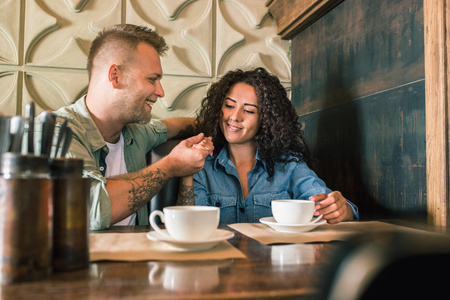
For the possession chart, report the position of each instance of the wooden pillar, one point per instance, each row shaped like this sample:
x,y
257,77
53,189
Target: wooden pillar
x,y
437,45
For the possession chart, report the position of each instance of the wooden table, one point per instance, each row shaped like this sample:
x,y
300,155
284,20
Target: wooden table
x,y
281,271
294,271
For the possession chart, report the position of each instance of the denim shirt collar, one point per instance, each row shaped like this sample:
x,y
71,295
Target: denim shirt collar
x,y
222,159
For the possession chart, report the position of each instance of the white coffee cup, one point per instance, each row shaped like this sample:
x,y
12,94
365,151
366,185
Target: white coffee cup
x,y
289,211
187,223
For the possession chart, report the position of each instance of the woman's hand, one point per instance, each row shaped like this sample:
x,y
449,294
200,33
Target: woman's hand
x,y
333,207
205,144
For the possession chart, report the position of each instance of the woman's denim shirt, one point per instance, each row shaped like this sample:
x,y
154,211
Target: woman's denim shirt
x,y
217,184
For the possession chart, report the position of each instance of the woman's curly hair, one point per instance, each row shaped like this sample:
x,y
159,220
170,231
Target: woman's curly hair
x,y
280,137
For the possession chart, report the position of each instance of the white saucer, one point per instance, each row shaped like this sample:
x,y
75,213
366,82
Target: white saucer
x,y
217,237
291,228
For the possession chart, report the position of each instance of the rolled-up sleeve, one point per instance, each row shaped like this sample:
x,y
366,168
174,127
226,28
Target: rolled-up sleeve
x,y
354,210
100,204
200,188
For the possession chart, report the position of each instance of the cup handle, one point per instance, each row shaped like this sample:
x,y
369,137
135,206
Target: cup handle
x,y
316,220
155,226
155,275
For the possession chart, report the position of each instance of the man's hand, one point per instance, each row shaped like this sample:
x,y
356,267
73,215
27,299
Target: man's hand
x,y
333,207
205,144
188,157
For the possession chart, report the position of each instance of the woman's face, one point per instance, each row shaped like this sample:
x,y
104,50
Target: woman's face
x,y
240,114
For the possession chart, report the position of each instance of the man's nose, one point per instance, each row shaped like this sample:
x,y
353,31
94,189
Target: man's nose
x,y
159,89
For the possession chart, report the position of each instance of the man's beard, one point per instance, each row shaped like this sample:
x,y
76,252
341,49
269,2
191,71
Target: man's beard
x,y
136,114
141,118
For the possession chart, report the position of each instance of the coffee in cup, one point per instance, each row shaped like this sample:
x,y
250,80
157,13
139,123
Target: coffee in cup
x,y
291,211
187,223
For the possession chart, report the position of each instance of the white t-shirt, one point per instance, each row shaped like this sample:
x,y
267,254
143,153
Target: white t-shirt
x,y
115,165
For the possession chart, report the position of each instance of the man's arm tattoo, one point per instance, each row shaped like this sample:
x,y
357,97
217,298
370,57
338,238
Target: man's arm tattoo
x,y
143,186
187,132
186,195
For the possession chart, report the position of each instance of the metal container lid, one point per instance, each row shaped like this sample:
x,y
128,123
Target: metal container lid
x,y
66,167
23,165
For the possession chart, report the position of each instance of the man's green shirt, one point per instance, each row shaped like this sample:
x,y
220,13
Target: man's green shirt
x,y
89,145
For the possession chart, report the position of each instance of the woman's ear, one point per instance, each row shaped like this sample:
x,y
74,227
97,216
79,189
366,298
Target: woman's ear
x,y
113,75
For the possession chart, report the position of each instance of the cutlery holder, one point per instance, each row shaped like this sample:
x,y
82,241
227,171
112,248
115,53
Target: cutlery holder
x,y
25,218
71,197
15,165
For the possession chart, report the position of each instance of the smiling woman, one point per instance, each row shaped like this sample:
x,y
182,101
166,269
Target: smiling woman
x,y
260,153
240,115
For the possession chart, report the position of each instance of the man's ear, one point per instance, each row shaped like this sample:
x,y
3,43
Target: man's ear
x,y
113,75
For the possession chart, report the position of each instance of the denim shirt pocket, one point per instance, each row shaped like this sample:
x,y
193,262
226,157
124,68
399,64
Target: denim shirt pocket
x,y
262,203
227,205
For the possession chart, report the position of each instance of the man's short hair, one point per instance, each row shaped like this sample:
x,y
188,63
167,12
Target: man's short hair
x,y
121,41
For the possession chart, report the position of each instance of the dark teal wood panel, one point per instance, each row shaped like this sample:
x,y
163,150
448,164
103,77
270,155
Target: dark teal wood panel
x,y
361,47
358,85
373,150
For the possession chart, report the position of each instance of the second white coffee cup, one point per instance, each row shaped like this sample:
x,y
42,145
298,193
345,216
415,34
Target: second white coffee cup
x,y
289,211
187,223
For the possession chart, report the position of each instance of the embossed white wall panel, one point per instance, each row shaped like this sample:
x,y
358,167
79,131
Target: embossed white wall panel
x,y
254,50
56,35
187,28
10,31
8,92
51,89
44,46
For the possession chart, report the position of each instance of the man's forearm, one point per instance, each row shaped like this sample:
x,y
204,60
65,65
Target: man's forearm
x,y
129,192
178,128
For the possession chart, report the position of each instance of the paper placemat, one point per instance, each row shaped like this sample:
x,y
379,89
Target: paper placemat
x,y
136,247
324,233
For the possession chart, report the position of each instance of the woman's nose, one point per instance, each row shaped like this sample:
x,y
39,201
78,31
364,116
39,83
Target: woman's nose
x,y
236,116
